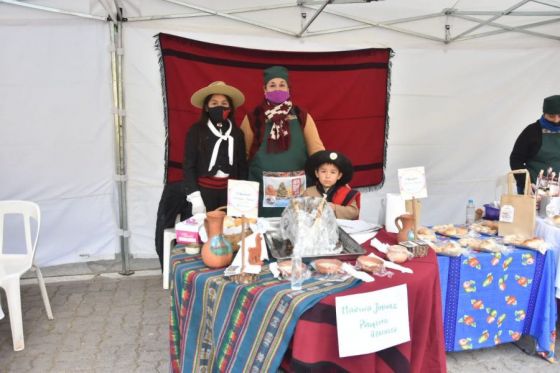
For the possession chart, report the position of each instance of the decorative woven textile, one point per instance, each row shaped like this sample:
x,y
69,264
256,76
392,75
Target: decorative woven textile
x,y
345,92
217,325
314,347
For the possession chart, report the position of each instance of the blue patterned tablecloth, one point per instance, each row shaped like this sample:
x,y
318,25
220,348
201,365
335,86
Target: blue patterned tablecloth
x,y
494,298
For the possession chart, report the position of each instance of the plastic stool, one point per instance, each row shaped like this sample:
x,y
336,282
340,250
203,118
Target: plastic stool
x,y
169,236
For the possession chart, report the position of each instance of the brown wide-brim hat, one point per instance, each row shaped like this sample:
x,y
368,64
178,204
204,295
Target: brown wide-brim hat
x,y
217,88
330,156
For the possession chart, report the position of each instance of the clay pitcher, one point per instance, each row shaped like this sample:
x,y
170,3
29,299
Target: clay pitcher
x,y
216,251
405,224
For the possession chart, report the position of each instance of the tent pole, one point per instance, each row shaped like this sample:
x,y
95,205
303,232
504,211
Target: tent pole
x,y
52,10
120,136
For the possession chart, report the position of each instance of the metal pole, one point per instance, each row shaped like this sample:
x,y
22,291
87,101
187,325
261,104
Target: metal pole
x,y
51,9
313,17
120,137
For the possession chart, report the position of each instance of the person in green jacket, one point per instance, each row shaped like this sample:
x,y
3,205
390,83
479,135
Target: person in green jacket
x,y
538,146
279,137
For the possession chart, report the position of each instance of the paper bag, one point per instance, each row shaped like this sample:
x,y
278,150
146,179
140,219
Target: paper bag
x,y
517,211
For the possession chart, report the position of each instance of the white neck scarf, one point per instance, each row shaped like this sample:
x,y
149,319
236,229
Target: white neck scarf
x,y
221,137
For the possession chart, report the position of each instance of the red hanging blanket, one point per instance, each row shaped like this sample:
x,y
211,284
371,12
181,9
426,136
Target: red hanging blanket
x,y
345,92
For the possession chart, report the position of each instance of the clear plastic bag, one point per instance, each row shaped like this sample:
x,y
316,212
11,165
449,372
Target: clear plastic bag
x,y
309,223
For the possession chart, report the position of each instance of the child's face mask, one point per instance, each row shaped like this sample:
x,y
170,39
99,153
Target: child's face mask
x,y
328,174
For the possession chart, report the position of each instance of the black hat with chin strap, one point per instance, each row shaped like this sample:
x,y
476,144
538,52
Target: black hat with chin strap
x,y
330,156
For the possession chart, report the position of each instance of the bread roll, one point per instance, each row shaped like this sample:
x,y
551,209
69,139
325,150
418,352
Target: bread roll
x,y
285,267
556,219
488,245
450,231
461,231
328,266
534,243
370,263
470,242
398,254
424,230
514,239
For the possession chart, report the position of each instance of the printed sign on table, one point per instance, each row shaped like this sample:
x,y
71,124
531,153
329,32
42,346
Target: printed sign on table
x,y
370,322
412,182
243,198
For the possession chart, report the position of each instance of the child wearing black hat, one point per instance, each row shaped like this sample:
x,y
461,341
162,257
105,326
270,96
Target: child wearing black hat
x,y
332,171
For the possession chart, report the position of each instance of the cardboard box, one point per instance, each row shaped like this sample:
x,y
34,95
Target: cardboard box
x,y
187,231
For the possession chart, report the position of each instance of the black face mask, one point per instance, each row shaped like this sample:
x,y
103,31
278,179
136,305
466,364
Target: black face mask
x,y
218,114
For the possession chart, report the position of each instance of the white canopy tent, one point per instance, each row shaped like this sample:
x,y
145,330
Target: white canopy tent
x,y
81,136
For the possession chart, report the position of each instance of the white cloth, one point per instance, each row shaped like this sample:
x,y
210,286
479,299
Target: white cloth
x,y
389,264
198,206
551,234
221,136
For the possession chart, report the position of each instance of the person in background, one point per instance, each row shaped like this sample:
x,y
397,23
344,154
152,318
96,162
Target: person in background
x,y
214,147
332,172
279,137
538,146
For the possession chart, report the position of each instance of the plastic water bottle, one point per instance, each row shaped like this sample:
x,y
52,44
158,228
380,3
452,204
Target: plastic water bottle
x,y
297,272
470,212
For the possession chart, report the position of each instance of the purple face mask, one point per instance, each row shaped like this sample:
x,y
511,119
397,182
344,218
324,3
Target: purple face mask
x,y
277,97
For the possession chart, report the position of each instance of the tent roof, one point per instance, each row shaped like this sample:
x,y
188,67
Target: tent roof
x,y
444,21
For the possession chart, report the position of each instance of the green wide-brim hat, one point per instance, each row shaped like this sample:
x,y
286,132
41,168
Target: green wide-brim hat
x,y
330,156
275,72
217,88
551,105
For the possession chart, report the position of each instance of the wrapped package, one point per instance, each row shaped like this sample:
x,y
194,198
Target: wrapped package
x,y
310,225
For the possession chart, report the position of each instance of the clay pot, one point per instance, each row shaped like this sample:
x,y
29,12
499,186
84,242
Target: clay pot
x,y
405,224
216,251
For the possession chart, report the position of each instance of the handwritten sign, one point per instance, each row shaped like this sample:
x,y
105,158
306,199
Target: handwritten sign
x,y
412,182
370,322
243,198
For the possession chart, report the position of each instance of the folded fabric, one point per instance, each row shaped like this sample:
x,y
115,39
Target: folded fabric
x,y
379,245
391,265
357,274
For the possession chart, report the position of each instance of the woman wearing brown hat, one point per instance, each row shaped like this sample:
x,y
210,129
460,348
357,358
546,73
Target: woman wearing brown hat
x,y
214,147
538,146
279,137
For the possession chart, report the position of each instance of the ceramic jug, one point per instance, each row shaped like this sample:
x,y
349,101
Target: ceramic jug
x,y
216,251
405,224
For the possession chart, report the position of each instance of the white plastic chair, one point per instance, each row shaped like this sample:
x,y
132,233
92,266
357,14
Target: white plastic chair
x,y
169,236
13,265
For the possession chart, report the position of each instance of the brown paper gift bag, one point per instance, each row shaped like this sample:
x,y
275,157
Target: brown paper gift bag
x,y
523,205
